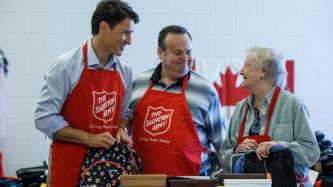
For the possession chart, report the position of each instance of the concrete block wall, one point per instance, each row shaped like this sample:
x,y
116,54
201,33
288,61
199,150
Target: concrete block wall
x,y
33,33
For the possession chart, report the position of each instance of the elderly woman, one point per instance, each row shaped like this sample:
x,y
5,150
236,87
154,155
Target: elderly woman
x,y
270,115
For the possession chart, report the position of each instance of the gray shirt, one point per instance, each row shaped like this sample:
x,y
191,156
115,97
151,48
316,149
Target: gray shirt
x,y
62,78
289,126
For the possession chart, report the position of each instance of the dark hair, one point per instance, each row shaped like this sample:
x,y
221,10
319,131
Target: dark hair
x,y
113,12
171,29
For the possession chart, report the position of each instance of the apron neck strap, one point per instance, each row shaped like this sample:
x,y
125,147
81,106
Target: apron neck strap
x,y
185,81
270,113
184,84
85,56
271,108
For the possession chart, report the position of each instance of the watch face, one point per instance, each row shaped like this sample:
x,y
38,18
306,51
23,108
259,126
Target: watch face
x,y
124,128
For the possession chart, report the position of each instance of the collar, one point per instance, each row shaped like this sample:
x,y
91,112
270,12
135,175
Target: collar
x,y
268,97
156,76
93,60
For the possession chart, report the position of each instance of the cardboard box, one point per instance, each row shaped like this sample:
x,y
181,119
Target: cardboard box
x,y
153,180
224,176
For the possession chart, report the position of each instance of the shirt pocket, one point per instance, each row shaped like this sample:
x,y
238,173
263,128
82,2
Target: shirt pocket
x,y
283,132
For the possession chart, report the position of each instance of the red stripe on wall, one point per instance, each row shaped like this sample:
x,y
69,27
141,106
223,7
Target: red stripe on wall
x,y
290,79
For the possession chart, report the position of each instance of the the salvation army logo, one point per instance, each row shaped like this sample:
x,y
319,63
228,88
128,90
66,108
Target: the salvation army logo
x,y
157,120
104,105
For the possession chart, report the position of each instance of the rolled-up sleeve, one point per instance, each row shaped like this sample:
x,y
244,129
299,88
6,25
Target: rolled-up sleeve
x,y
304,148
127,76
51,99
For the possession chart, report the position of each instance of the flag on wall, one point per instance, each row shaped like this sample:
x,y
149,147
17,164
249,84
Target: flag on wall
x,y
2,129
224,75
3,71
290,79
1,168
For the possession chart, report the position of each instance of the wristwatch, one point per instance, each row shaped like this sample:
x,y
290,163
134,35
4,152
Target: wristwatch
x,y
124,128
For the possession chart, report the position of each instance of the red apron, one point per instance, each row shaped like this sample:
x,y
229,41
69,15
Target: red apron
x,y
264,137
164,134
93,106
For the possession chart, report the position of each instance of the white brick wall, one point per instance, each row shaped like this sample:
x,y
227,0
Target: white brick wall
x,y
33,33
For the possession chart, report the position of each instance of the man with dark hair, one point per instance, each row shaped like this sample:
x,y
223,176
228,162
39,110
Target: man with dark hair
x,y
175,112
84,102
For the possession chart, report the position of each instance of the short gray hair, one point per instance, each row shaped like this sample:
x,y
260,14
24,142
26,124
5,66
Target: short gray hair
x,y
271,62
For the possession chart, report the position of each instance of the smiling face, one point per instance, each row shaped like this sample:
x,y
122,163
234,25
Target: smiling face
x,y
252,75
176,57
115,39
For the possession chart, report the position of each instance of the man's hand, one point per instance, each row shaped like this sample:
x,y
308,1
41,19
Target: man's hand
x,y
74,135
104,140
123,137
247,144
264,149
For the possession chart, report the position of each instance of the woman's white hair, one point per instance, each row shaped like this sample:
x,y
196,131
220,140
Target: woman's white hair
x,y
271,62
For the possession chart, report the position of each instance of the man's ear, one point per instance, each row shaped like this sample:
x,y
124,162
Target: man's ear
x,y
103,26
160,53
263,75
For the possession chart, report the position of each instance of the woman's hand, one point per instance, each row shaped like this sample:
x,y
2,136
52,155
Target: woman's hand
x,y
246,145
264,149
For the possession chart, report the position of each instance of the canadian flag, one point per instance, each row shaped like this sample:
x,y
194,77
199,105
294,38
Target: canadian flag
x,y
2,125
224,75
2,103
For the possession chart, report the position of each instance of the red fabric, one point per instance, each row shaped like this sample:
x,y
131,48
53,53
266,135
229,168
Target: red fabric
x,y
93,106
264,137
164,134
290,80
229,93
1,167
318,183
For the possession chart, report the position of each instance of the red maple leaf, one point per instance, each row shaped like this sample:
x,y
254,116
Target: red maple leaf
x,y
229,93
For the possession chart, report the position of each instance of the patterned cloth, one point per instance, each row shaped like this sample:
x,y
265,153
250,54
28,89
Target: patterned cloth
x,y
325,146
103,167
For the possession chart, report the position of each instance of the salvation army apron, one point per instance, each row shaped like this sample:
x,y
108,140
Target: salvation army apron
x,y
259,138
93,106
164,134
265,137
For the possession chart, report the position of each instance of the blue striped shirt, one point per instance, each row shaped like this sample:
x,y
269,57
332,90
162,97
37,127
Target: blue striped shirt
x,y
202,99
